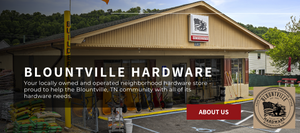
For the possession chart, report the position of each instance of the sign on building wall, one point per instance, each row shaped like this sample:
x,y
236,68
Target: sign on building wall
x,y
198,31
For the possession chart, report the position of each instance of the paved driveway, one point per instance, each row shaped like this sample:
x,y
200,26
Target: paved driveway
x,y
176,122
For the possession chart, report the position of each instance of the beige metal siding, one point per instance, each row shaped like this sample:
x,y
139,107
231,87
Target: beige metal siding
x,y
171,31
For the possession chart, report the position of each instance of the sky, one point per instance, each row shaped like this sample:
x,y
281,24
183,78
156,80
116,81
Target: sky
x,y
268,13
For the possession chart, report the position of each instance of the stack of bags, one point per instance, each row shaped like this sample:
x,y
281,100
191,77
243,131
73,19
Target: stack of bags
x,y
37,105
39,124
20,111
49,117
29,116
23,126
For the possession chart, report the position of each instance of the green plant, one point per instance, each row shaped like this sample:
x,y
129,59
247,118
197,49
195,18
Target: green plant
x,y
252,72
194,97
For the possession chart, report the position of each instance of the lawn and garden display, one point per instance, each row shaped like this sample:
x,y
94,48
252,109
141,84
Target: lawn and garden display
x,y
49,121
150,103
28,116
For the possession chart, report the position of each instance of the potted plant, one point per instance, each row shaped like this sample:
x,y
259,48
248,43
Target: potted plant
x,y
194,99
169,102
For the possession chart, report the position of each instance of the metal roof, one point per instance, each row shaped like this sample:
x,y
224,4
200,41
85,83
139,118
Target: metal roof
x,y
4,44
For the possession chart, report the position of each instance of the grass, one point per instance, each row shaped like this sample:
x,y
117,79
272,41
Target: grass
x,y
297,89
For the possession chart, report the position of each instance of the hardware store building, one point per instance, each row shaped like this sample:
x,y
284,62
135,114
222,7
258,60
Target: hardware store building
x,y
168,38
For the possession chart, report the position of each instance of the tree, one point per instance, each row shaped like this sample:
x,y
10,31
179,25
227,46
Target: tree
x,y
286,45
15,42
7,41
13,25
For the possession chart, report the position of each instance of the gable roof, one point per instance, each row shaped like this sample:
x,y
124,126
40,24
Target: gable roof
x,y
4,44
101,28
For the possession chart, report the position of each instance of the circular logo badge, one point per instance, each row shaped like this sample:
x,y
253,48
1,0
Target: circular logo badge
x,y
274,107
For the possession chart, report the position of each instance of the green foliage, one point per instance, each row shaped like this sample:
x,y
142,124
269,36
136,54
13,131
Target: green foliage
x,y
252,72
259,31
14,25
286,45
149,10
15,42
194,97
256,30
7,41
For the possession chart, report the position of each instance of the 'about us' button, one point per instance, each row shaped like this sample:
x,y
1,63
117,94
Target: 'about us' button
x,y
213,112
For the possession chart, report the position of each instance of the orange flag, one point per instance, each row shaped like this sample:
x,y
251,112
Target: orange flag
x,y
106,1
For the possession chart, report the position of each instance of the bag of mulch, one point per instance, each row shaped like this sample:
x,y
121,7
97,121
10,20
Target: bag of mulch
x,y
54,131
50,122
22,109
36,109
21,113
41,105
36,101
45,114
55,128
24,117
9,126
21,104
37,124
53,124
49,119
34,119
40,128
53,114
23,131
42,114
37,120
21,122
24,127
35,113
42,131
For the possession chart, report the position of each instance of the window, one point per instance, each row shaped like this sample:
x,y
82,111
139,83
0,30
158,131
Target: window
x,y
215,65
258,55
261,72
237,70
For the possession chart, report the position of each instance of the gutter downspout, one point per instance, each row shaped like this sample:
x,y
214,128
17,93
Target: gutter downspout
x,y
56,62
60,57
